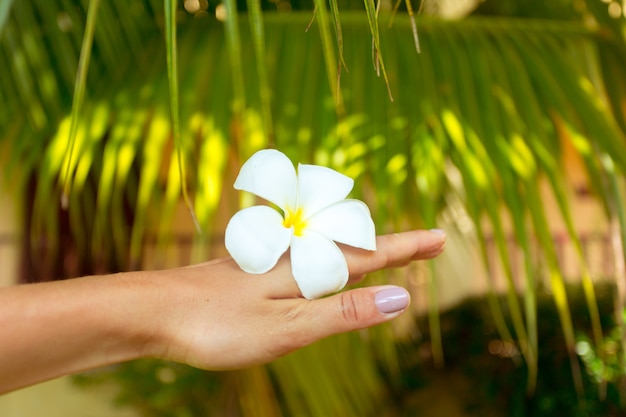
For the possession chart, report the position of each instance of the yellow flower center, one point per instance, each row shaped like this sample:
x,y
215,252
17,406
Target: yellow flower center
x,y
294,219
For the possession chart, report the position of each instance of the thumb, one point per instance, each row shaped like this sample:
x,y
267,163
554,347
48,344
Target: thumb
x,y
357,309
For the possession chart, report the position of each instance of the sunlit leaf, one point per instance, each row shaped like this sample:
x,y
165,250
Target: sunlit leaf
x,y
79,93
5,8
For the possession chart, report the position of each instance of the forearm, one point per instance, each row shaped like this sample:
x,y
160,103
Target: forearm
x,y
53,329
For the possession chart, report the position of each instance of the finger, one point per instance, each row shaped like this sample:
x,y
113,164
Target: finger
x,y
350,310
212,262
392,250
395,250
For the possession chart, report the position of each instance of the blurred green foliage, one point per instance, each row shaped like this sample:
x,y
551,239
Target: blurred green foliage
x,y
483,375
485,117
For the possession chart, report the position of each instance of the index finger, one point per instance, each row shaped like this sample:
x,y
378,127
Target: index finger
x,y
392,251
395,250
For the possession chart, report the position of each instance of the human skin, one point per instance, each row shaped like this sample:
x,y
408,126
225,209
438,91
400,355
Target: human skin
x,y
211,315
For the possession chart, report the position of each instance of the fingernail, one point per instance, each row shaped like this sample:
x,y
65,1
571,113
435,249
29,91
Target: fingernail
x,y
391,300
441,234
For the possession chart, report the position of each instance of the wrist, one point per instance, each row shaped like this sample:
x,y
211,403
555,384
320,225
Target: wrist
x,y
136,325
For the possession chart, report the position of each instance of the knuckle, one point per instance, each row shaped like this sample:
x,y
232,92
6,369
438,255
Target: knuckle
x,y
349,309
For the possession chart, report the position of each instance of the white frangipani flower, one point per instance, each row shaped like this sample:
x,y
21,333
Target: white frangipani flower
x,y
315,215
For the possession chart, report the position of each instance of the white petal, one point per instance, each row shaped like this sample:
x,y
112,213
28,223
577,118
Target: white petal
x,y
347,221
270,175
317,265
256,238
319,187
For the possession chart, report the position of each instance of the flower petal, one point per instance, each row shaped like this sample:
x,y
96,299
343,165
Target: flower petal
x,y
256,238
319,187
347,221
317,265
270,175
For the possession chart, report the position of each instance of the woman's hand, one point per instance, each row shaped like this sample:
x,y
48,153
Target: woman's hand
x,y
215,316
211,315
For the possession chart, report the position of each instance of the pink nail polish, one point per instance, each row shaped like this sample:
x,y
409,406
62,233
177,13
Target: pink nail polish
x,y
391,300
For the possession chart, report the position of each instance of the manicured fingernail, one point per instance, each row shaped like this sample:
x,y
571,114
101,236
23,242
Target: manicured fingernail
x,y
391,300
441,233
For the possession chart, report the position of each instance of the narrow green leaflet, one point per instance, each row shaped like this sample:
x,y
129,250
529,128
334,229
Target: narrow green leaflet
x,y
323,23
79,95
171,43
258,37
5,9
379,64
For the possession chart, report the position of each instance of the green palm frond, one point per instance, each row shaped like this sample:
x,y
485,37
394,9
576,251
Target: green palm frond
x,y
484,113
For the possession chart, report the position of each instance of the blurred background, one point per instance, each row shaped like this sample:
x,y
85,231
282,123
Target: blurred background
x,y
501,122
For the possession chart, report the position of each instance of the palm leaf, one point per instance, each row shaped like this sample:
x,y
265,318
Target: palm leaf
x,y
79,96
323,21
454,111
172,74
